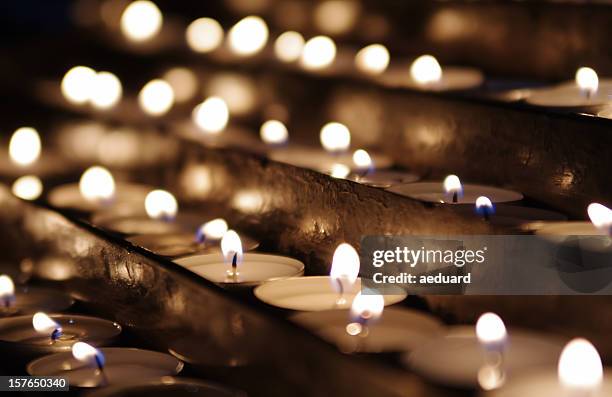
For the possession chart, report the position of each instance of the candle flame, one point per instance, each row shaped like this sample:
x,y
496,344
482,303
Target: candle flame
x,y
212,230
274,132
452,184
44,324
372,59
335,137
156,97
231,246
28,187
367,307
490,329
7,290
484,206
248,36
362,159
204,35
86,353
97,184
319,52
580,366
339,171
78,84
426,70
160,204
288,46
601,216
141,21
106,90
587,80
345,266
211,115
25,146
184,83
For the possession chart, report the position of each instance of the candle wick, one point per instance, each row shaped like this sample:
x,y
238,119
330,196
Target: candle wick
x,y
455,197
56,334
486,215
340,300
101,369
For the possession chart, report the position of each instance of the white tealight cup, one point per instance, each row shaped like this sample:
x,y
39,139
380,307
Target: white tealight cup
x,y
433,192
313,294
126,194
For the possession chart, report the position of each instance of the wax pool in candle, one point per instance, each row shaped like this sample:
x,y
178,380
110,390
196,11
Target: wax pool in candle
x,y
456,358
398,330
384,178
19,336
586,90
440,192
122,365
181,244
32,299
523,218
169,386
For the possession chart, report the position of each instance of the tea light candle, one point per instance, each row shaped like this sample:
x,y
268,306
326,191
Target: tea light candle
x,y
579,373
25,155
41,334
118,365
451,191
526,219
462,357
367,172
600,225
397,329
586,90
25,299
426,73
232,268
97,190
169,386
315,293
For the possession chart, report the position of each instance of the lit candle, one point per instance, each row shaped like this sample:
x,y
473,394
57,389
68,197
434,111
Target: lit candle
x,y
487,353
579,373
248,36
88,367
600,225
586,90
484,207
231,267
452,191
25,300
211,116
141,21
372,59
521,218
156,97
316,293
45,325
28,187
288,46
370,330
318,53
274,132
204,35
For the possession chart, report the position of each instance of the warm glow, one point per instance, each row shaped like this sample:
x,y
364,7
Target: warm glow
x,y
7,290
335,137
273,132
230,246
318,53
28,187
372,59
426,70
141,20
97,184
214,230
156,97
288,46
580,366
601,216
160,204
336,16
490,329
78,84
483,202
184,83
587,80
211,115
237,90
362,159
204,35
367,307
340,171
87,353
248,36
106,90
345,265
44,324
25,146
452,184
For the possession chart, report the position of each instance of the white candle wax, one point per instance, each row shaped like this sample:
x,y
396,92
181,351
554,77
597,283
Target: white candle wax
x,y
433,192
385,178
456,358
255,268
398,330
49,163
181,244
453,78
524,218
570,95
312,294
545,383
123,365
321,160
126,194
32,299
